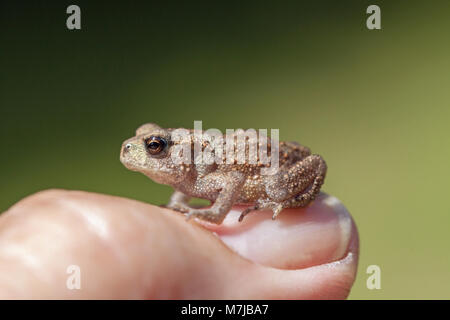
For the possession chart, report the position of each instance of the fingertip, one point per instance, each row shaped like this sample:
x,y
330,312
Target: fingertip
x,y
297,238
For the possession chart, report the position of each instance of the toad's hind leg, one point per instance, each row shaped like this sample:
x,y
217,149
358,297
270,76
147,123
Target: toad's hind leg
x,y
292,187
298,185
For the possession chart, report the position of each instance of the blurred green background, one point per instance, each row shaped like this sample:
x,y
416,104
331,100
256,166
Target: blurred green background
x,y
375,104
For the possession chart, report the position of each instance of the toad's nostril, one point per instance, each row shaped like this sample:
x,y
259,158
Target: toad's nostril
x,y
126,148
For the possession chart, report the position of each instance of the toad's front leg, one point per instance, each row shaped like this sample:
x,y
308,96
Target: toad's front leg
x,y
179,202
229,186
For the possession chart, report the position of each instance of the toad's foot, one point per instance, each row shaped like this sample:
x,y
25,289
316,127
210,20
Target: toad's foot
x,y
275,207
276,210
209,215
178,208
246,212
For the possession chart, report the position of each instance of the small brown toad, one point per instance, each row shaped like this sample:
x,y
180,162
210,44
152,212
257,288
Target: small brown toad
x,y
155,153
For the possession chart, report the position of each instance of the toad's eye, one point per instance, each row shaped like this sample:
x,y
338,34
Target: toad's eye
x,y
155,144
